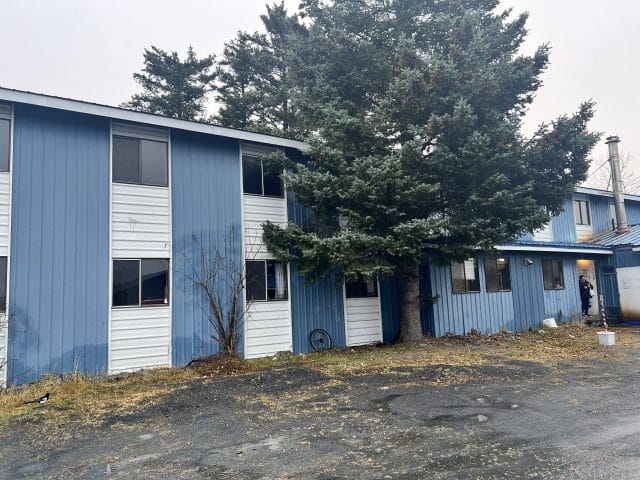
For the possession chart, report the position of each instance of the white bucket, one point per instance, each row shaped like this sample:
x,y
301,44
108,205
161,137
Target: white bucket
x,y
549,323
607,338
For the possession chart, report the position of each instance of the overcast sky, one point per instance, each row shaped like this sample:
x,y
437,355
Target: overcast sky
x,y
88,49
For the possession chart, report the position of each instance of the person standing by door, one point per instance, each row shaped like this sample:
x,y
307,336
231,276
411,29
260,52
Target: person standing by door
x,y
585,294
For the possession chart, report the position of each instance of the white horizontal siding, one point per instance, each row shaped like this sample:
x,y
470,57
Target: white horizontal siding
x,y
140,221
5,193
545,234
3,348
267,329
364,320
256,211
140,338
584,233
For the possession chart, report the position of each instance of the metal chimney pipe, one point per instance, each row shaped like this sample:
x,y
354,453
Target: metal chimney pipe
x,y
618,189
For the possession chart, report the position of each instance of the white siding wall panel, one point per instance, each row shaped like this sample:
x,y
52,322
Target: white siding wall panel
x,y
140,221
364,320
5,192
140,338
3,348
584,233
545,234
256,211
267,329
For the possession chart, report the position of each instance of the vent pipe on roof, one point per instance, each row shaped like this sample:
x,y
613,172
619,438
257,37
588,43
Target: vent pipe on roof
x,y
618,189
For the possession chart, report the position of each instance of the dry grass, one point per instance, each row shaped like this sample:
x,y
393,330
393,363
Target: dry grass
x,y
89,400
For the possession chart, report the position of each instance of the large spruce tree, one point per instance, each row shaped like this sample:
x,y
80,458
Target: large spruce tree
x,y
173,87
413,110
252,82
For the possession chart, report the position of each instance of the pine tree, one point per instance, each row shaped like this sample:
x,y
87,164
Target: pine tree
x,y
173,87
252,87
414,110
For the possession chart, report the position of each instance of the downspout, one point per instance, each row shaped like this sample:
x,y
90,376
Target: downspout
x,y
618,189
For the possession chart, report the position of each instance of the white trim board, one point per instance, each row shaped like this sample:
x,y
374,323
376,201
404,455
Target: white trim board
x,y
529,248
115,113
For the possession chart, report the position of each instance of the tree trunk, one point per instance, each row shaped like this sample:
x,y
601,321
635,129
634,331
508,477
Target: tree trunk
x,y
410,325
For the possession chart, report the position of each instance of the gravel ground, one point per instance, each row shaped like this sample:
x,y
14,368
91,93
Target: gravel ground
x,y
511,420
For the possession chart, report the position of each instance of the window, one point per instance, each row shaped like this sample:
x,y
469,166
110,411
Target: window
x,y
266,280
5,144
3,284
497,275
552,274
465,277
140,282
143,162
361,289
581,212
260,179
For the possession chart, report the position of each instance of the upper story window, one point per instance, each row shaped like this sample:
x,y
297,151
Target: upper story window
x,y
260,179
465,277
266,280
581,212
5,144
140,161
361,289
497,274
552,275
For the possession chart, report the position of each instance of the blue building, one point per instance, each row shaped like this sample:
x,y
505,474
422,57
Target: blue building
x,y
104,212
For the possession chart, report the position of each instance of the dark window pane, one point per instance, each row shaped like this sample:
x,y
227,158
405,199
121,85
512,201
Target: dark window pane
x,y
251,175
273,186
5,144
361,289
256,281
155,282
153,163
497,274
3,284
126,283
126,161
581,212
552,275
277,288
464,276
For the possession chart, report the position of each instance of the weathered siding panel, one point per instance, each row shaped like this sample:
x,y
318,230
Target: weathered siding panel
x,y
459,313
633,211
256,211
563,305
140,338
527,290
563,225
364,320
205,182
140,221
267,329
60,244
5,206
319,304
390,303
600,218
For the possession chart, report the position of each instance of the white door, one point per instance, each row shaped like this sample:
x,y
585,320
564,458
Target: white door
x,y
363,315
629,288
588,269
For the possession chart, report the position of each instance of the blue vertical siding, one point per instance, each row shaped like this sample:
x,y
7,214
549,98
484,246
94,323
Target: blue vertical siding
x,y
459,313
205,183
564,305
633,211
564,225
59,244
600,220
390,303
527,288
317,304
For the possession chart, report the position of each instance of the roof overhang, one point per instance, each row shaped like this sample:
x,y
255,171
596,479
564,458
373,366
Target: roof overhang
x,y
551,249
604,193
41,100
